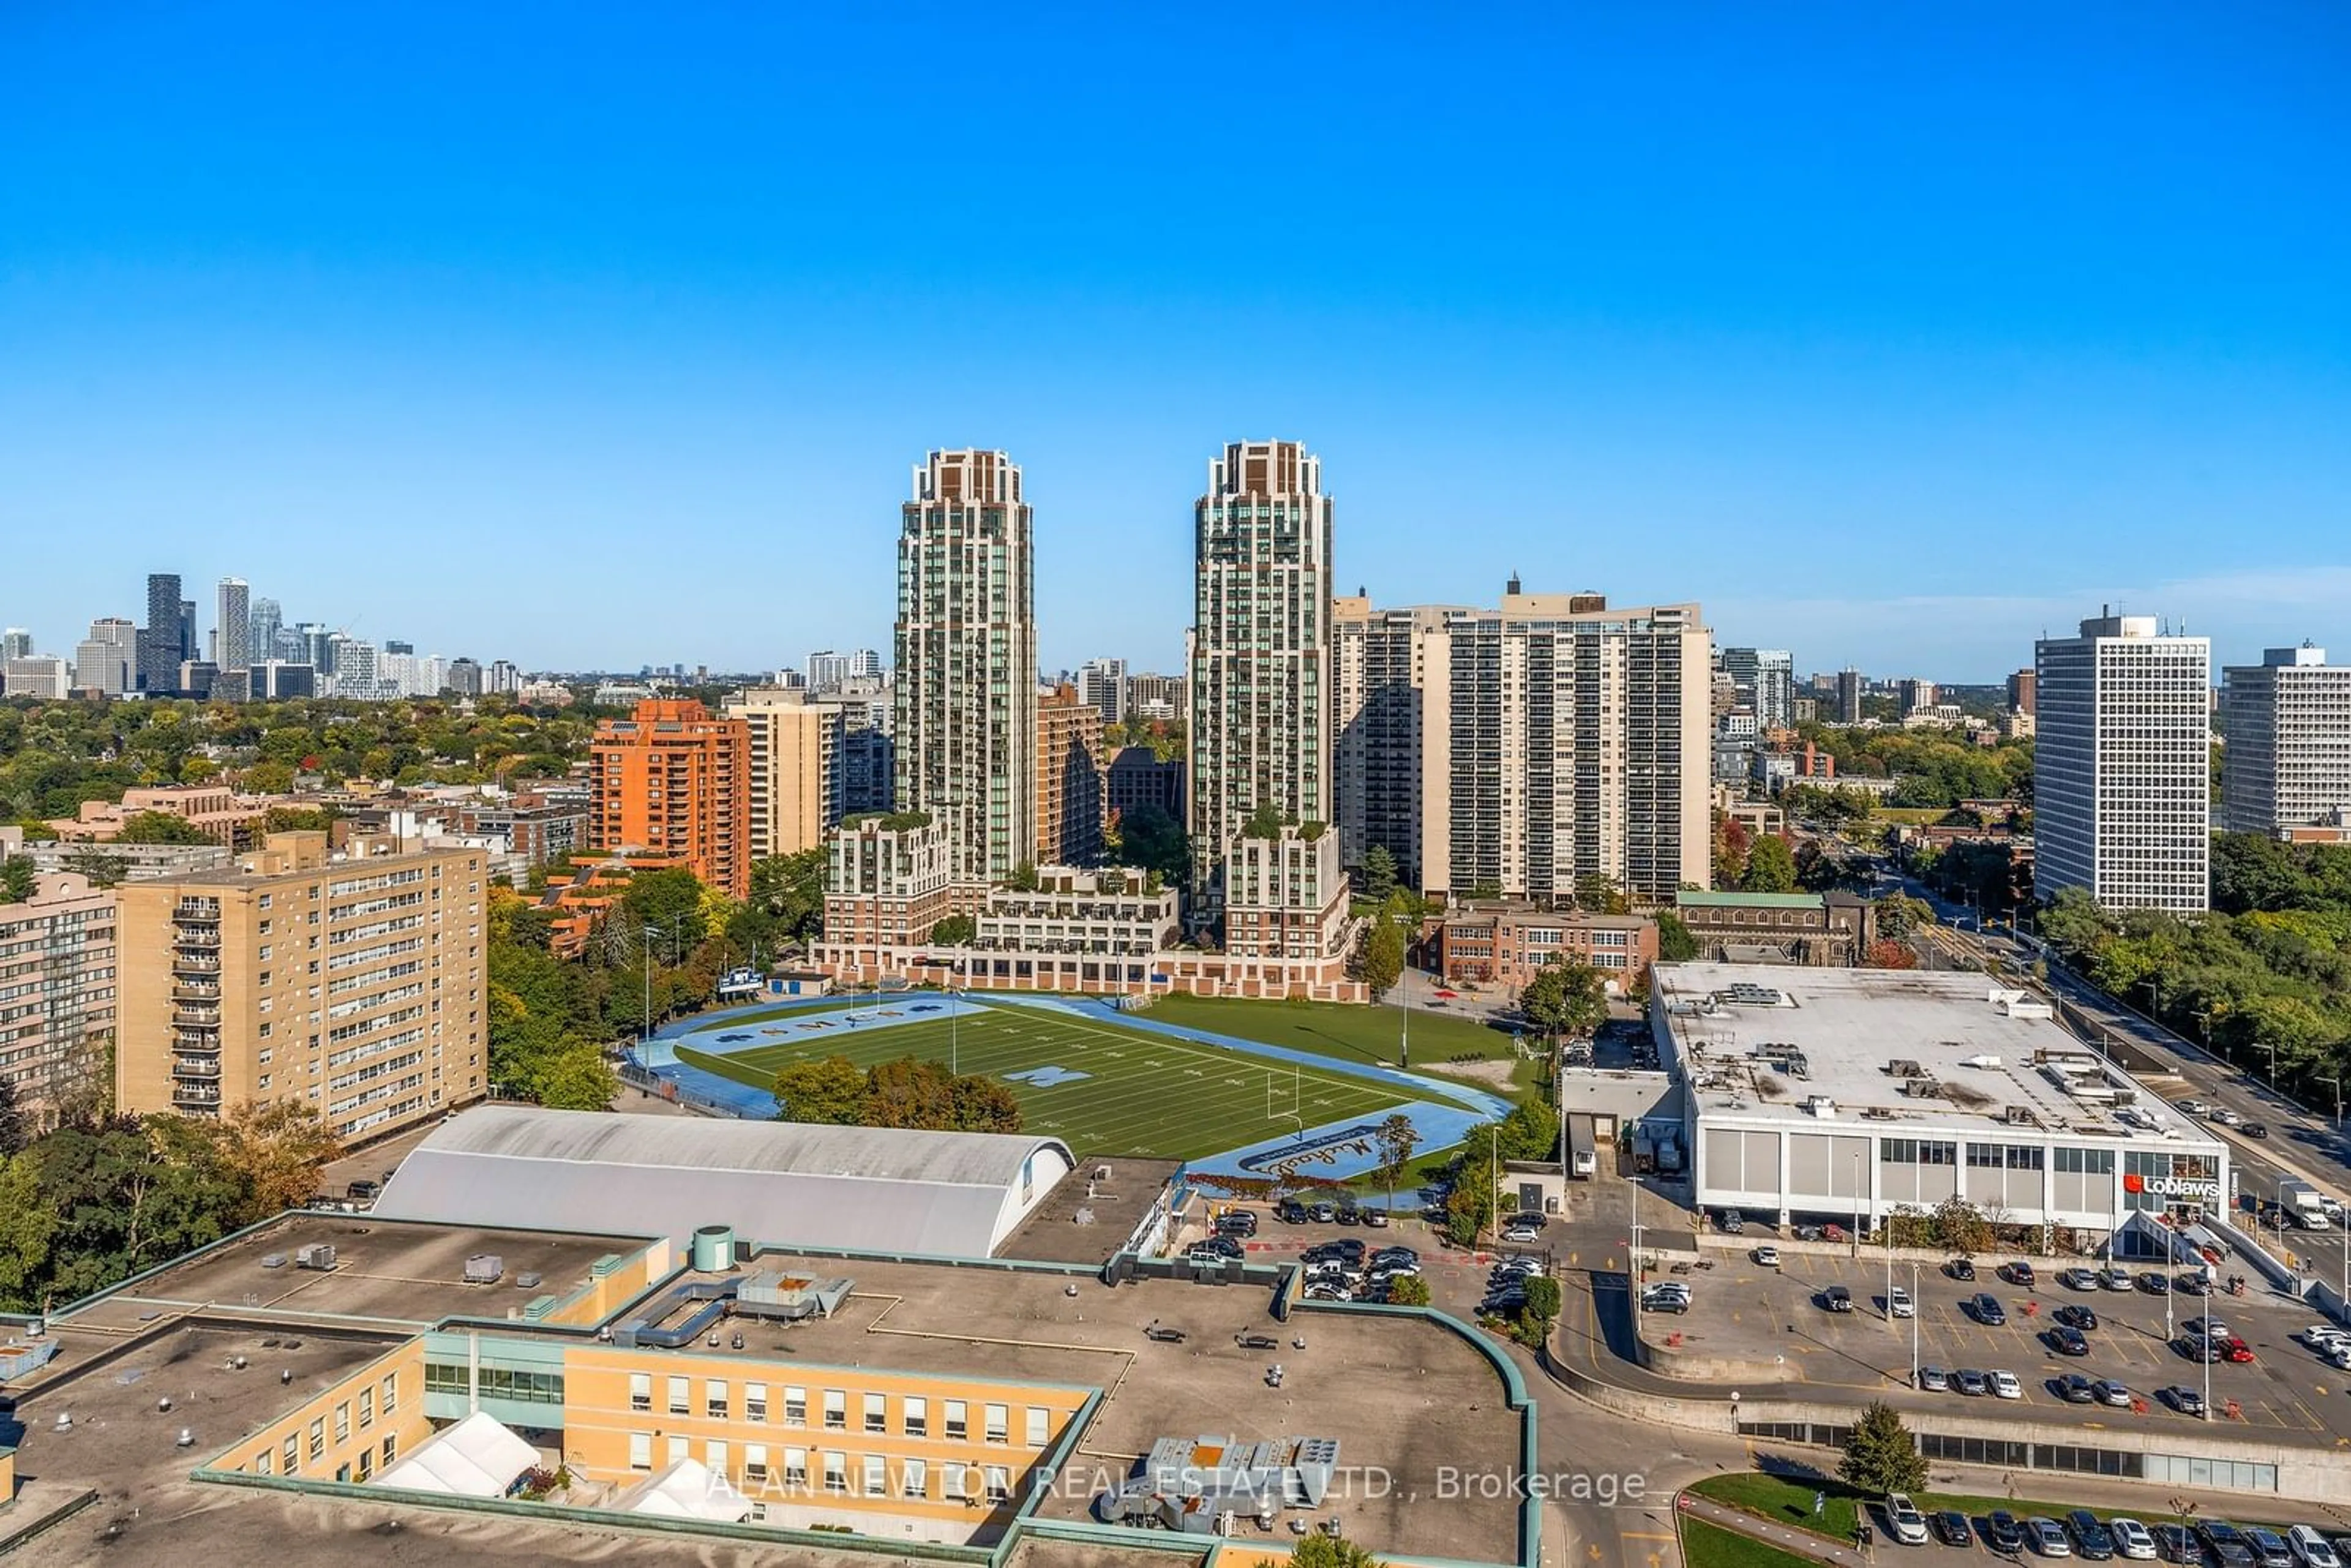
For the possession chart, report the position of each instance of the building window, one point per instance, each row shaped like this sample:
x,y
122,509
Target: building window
x,y
913,1479
795,1469
877,1478
367,1408
317,1439
999,1423
714,1399
1039,1426
391,1446
836,1410
914,1417
836,1473
875,1419
959,1422
955,1482
755,1401
641,1391
714,1457
292,1456
641,1450
681,1396
755,1463
264,1462
999,1484
795,1406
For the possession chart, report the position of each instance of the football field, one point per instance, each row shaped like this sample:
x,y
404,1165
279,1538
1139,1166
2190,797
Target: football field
x,y
1101,1088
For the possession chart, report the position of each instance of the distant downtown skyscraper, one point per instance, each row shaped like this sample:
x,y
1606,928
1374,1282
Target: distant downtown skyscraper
x,y
966,652
2121,765
236,624
167,638
1260,651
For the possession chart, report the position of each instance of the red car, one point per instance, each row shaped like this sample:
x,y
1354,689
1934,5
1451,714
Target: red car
x,y
2236,1350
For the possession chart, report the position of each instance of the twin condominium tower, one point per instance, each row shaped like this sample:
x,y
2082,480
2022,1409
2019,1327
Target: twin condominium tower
x,y
1498,752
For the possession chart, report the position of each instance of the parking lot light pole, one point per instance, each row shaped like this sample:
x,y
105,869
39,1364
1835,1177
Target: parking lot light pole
x,y
1914,1325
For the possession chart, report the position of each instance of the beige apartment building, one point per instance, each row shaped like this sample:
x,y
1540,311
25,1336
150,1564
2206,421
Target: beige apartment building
x,y
58,982
351,982
792,766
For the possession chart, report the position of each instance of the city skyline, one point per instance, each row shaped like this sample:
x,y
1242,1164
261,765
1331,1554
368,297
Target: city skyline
x,y
2056,294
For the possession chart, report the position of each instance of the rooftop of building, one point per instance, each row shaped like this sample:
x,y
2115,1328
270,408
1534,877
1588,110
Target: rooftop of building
x,y
1486,909
1696,898
303,853
1856,1047
1111,1195
388,1275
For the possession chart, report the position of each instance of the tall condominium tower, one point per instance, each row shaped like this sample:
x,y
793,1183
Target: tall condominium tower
x,y
107,661
966,652
236,624
1260,649
1848,696
164,640
2288,721
261,631
673,780
2122,771
1512,752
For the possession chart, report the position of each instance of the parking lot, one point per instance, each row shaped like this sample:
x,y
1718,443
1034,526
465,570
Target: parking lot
x,y
1745,1310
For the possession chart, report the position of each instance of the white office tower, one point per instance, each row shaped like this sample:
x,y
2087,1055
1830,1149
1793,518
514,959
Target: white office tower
x,y
1260,647
2122,768
1102,685
1765,682
2287,721
107,661
966,657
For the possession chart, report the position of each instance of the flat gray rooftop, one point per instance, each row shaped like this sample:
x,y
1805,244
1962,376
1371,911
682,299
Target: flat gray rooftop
x,y
387,1271
1984,1044
1052,1233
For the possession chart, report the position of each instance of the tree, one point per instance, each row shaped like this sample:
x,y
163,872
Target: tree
x,y
1331,1551
159,828
1469,1205
1597,891
1379,873
1675,943
15,1128
101,869
1396,1138
1899,914
955,931
1408,1291
1770,866
17,879
1383,956
278,1153
268,778
668,900
576,1077
1542,1303
1887,954
1960,1226
298,819
831,1091
26,1224
1151,840
1023,877
1881,1456
1565,999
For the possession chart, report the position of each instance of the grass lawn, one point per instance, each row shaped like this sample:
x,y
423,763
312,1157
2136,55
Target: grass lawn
x,y
1708,1545
1359,1033
1789,1500
1140,1094
1916,816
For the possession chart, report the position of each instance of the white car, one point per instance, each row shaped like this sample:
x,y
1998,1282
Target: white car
x,y
2005,1385
1522,1235
1909,1525
2310,1548
1898,1304
1767,1257
2194,1107
2132,1540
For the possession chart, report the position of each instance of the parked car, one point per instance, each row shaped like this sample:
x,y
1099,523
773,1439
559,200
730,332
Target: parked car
x,y
1902,1519
1961,1269
1377,1219
2155,1282
2195,1347
2132,1539
2078,1278
1676,1305
2075,1316
2112,1392
2224,1116
2311,1549
1289,1211
2207,1328
2236,1351
2005,1533
2093,1538
2173,1543
2019,1274
2226,1543
2074,1389
1986,1309
1898,1304
1766,1257
2048,1537
2255,1130
1836,1298
2115,1279
1934,1380
2182,1398
1951,1528
1237,1222
1517,1235
1732,1222
2005,1386
2193,1282
1323,1213
2270,1549
2067,1341
1968,1381
1213,1249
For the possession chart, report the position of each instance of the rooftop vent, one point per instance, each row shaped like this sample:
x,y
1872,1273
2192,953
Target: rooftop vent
x,y
1903,1067
1820,1105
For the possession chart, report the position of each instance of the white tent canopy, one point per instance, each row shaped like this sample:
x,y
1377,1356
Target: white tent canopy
x,y
478,1456
687,1489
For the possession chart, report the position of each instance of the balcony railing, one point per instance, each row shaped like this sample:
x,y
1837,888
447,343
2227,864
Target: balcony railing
x,y
186,935
187,990
194,964
204,1016
190,910
196,1094
204,1066
196,1039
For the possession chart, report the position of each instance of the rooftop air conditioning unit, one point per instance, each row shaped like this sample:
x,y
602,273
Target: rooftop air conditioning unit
x,y
1987,1061
320,1257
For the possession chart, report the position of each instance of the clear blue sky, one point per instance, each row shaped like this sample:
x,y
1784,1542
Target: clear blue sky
x,y
601,335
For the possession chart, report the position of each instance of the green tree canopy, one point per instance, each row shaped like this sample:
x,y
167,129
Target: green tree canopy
x,y
1770,866
1565,999
160,828
1881,1456
1676,944
1379,873
831,1090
